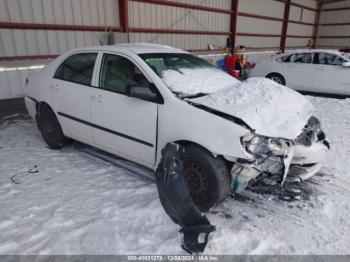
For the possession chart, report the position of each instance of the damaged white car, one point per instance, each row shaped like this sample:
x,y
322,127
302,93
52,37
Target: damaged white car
x,y
131,100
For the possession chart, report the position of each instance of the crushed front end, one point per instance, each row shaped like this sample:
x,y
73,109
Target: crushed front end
x,y
280,158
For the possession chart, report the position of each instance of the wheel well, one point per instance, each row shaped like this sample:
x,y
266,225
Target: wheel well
x,y
278,74
274,73
187,143
39,105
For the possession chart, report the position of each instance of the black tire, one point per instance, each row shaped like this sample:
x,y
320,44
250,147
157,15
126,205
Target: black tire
x,y
50,128
278,78
207,177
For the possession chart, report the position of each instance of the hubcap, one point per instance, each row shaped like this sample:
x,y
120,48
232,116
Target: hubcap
x,y
197,181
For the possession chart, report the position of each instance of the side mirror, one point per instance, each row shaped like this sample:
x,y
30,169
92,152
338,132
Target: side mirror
x,y
142,92
346,64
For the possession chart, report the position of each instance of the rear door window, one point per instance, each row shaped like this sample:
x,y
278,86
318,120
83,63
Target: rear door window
x,y
77,68
304,58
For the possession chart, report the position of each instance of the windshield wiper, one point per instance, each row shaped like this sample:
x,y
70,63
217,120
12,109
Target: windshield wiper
x,y
195,95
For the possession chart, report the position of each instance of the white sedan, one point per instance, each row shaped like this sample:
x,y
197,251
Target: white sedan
x,y
131,100
319,71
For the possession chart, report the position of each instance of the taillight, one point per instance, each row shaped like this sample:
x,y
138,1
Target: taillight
x,y
252,65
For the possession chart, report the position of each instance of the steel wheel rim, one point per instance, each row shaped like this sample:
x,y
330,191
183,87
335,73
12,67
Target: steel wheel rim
x,y
276,79
197,180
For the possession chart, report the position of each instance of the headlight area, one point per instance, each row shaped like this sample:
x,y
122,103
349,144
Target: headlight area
x,y
264,146
272,156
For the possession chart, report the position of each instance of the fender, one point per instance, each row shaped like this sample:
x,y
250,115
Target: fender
x,y
177,202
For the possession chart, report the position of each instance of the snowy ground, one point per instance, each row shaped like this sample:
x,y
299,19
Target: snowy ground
x,y
78,204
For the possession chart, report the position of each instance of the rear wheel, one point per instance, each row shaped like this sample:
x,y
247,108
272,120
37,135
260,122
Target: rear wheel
x,y
278,78
50,128
207,177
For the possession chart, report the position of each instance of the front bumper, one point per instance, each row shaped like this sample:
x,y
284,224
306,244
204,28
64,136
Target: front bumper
x,y
300,163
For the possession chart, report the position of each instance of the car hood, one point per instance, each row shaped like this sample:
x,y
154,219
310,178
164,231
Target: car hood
x,y
269,108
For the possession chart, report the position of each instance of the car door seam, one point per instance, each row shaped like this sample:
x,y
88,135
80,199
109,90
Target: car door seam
x,y
106,129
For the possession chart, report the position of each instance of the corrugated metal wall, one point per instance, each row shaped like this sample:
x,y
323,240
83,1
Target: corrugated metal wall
x,y
253,25
63,12
303,15
105,13
259,25
13,78
145,15
335,25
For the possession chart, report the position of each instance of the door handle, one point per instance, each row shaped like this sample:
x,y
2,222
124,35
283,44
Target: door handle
x,y
97,98
55,87
320,67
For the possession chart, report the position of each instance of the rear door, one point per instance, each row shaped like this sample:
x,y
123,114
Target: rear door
x,y
330,75
299,71
71,92
123,125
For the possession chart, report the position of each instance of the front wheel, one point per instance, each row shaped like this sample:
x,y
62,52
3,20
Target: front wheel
x,y
207,177
278,78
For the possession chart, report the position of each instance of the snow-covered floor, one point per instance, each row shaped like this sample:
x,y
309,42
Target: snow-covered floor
x,y
79,204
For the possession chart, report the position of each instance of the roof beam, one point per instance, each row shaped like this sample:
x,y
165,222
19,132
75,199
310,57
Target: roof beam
x,y
123,15
285,25
233,24
34,26
317,22
176,31
184,5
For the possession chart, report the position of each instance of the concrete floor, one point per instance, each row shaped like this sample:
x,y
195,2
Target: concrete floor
x,y
12,106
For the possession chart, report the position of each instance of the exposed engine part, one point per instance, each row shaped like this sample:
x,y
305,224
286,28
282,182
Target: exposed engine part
x,y
290,191
274,156
177,202
241,175
278,166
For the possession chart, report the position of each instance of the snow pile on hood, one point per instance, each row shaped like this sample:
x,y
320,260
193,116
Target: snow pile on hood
x,y
271,109
200,80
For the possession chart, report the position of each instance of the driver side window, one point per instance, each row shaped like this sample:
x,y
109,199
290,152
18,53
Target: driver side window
x,y
304,58
117,73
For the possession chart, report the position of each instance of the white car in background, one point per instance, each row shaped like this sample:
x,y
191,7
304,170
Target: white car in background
x,y
319,71
131,100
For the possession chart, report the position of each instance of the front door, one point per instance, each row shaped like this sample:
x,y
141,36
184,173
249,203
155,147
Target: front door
x,y
123,125
71,92
330,75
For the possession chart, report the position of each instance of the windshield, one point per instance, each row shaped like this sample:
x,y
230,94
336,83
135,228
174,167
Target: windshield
x,y
346,55
187,75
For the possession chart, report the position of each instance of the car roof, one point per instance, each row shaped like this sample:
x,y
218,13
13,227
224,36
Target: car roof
x,y
137,48
288,52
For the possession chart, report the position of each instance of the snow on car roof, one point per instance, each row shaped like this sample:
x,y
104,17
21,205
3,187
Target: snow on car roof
x,y
137,48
